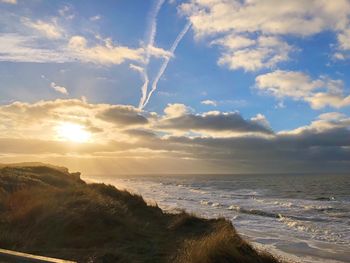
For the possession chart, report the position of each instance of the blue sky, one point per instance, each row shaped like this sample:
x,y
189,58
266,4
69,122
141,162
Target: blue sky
x,y
281,64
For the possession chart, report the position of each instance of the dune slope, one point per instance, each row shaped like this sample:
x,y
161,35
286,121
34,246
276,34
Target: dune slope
x,y
46,210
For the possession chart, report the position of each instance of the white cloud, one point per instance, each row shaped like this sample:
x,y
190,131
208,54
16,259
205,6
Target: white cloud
x,y
13,2
248,59
209,102
251,55
325,122
332,116
293,84
95,18
48,29
343,47
253,59
267,16
319,93
339,56
176,110
24,48
66,12
280,105
234,42
261,119
344,39
323,99
108,53
20,48
237,26
159,52
58,88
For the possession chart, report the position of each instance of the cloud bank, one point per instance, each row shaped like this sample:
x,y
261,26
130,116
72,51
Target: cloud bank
x,y
215,141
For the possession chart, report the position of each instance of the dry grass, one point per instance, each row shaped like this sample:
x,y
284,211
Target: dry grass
x,y
223,245
48,211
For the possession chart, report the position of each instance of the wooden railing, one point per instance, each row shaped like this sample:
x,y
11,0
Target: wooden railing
x,y
9,256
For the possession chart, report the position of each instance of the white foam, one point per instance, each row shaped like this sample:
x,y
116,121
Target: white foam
x,y
252,212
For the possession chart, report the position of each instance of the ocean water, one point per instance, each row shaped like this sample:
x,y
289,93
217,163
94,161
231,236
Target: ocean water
x,y
305,218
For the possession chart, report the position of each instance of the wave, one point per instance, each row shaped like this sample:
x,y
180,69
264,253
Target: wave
x,y
209,203
276,202
254,212
309,225
307,206
320,233
331,198
257,212
198,191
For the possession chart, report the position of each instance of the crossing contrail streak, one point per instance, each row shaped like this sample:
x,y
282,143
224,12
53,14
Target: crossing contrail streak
x,y
166,62
144,87
149,43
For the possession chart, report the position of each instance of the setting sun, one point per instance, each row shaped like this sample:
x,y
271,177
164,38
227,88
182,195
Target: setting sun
x,y
73,132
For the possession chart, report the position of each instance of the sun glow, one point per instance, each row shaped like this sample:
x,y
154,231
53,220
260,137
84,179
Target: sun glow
x,y
73,132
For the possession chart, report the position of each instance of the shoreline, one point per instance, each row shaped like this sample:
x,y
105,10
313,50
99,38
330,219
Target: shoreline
x,y
309,254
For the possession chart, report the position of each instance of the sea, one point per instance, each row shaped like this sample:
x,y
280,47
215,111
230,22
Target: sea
x,y
299,217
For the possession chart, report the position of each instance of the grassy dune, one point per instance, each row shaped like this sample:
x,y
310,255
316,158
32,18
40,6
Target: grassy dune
x,y
48,211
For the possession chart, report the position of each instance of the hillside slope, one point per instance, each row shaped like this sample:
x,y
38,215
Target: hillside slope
x,y
48,211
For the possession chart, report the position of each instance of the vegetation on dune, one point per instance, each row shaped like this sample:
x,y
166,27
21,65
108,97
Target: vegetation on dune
x,y
223,245
48,211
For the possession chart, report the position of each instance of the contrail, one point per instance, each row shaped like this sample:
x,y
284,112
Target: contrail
x,y
144,87
149,43
153,28
166,62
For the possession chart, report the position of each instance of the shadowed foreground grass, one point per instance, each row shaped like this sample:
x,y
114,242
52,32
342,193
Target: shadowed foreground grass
x,y
46,210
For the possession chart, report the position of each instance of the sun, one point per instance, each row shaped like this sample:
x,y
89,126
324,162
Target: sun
x,y
73,132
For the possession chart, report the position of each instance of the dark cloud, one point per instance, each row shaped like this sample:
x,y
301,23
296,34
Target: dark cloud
x,y
306,151
221,142
219,122
72,110
325,151
123,115
137,133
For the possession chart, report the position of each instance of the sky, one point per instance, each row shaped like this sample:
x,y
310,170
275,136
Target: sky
x,y
170,86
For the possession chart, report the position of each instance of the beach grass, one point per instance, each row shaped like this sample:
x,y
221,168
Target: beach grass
x,y
46,210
